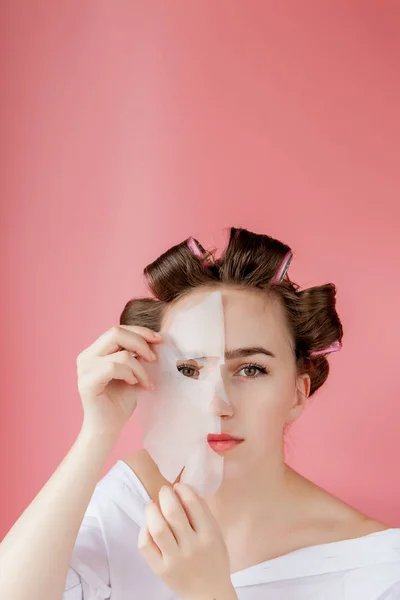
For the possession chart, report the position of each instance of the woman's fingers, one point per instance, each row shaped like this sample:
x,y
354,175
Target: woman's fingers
x,y
149,548
198,513
168,526
119,365
127,360
160,530
132,338
175,515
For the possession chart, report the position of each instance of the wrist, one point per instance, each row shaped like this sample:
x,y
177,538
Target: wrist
x,y
94,444
93,437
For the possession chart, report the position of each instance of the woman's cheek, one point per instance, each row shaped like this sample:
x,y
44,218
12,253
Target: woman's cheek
x,y
270,416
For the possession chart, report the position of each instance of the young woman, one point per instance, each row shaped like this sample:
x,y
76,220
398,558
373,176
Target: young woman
x,y
267,532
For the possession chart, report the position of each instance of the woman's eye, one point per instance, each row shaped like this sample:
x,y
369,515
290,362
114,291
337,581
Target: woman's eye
x,y
253,371
188,371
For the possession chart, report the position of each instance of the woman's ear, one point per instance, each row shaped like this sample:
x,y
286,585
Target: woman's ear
x,y
303,386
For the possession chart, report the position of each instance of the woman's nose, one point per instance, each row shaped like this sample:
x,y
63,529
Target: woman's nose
x,y
220,405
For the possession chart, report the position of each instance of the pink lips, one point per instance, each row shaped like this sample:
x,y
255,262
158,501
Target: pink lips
x,y
221,442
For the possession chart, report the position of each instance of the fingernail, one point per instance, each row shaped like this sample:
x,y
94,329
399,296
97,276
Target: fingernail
x,y
153,356
156,334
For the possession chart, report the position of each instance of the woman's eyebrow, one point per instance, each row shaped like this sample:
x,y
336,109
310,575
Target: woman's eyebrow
x,y
248,351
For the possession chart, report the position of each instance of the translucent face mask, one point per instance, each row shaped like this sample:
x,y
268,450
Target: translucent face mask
x,y
178,415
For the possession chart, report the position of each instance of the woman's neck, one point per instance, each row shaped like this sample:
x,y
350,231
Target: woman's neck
x,y
264,495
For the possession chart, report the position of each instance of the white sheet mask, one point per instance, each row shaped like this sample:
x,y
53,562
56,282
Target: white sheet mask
x,y
177,416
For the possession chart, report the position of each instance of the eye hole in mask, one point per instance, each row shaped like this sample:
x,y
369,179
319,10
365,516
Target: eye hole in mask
x,y
199,368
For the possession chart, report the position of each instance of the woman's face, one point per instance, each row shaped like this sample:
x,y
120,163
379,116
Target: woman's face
x,y
259,375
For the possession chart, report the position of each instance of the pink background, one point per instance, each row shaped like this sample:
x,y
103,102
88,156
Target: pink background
x,y
128,126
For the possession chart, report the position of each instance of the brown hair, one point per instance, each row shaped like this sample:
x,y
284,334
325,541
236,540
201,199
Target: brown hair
x,y
250,260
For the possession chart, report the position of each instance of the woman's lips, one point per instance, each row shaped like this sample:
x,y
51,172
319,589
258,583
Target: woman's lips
x,y
222,442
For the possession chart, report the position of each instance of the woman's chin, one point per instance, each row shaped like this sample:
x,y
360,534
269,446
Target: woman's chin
x,y
234,469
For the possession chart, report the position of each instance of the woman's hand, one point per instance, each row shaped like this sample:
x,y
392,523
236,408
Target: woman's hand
x,y
183,544
108,373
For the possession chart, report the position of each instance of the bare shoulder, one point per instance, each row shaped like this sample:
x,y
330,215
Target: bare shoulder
x,y
350,522
371,526
354,524
147,471
332,519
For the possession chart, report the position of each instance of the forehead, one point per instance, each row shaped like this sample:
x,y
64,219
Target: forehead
x,y
251,317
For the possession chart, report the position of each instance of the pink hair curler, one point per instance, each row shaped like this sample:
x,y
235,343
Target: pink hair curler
x,y
283,269
333,348
196,249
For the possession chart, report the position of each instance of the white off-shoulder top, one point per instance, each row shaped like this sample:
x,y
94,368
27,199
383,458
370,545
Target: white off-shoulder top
x,y
106,563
